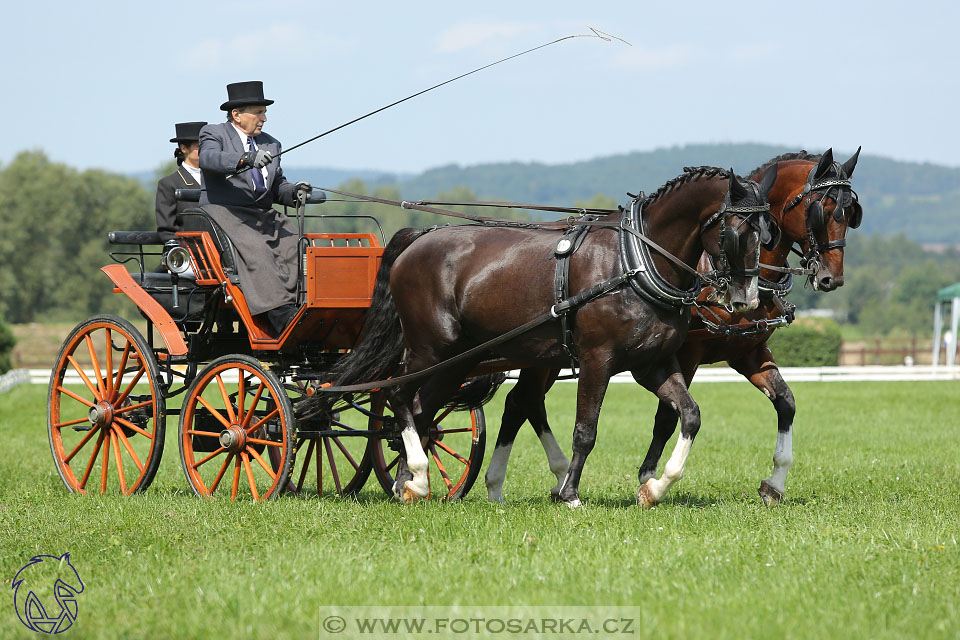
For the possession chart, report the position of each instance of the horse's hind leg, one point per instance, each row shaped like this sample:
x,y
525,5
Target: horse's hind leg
x,y
759,367
665,422
670,387
525,402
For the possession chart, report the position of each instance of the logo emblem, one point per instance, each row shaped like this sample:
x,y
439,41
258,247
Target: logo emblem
x,y
45,594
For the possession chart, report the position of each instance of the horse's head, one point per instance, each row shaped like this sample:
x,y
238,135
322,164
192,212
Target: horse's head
x,y
733,237
816,211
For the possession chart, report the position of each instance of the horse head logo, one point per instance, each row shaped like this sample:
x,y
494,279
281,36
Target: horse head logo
x,y
42,577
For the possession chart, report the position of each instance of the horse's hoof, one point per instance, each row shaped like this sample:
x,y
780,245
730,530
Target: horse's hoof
x,y
643,477
573,504
771,496
555,495
645,496
409,495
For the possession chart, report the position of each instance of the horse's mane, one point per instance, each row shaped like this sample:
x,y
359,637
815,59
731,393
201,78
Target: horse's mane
x,y
793,155
690,174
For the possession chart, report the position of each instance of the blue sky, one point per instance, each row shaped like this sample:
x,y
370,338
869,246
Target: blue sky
x,y
101,84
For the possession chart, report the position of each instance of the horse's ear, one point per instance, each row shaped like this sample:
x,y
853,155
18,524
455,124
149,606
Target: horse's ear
x,y
767,180
851,164
737,190
826,161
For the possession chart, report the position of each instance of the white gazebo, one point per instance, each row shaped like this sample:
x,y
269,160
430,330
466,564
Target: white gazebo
x,y
948,295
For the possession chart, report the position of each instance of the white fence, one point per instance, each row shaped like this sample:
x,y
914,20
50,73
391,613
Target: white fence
x,y
704,374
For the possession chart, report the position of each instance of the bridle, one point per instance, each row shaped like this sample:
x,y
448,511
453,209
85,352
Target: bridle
x,y
816,192
729,238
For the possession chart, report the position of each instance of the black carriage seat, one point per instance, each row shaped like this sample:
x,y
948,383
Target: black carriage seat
x,y
190,298
198,220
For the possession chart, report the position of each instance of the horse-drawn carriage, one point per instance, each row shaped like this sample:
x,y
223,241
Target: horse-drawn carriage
x,y
235,386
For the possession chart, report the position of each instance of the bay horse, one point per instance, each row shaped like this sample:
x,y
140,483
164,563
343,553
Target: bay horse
x,y
454,288
813,205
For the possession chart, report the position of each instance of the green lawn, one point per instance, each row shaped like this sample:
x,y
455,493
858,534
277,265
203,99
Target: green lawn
x,y
864,547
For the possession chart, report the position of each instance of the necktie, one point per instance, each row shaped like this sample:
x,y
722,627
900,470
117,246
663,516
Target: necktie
x,y
256,174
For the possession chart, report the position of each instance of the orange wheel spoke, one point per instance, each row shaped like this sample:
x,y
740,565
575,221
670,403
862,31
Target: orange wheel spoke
x,y
61,425
439,432
216,482
333,465
253,406
452,452
93,457
443,415
126,444
393,464
306,463
226,399
342,426
240,391
133,383
212,455
236,478
216,414
121,368
106,464
116,458
263,420
77,448
86,380
346,453
133,406
253,483
319,469
130,425
269,443
443,472
256,456
194,432
108,379
67,392
96,365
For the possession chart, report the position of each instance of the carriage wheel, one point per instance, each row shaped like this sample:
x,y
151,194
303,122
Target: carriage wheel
x,y
113,415
331,464
455,450
235,411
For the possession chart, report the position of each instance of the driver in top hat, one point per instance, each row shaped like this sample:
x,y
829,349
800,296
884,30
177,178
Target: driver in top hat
x,y
266,241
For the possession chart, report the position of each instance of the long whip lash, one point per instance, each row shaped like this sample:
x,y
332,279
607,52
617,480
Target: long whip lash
x,y
606,37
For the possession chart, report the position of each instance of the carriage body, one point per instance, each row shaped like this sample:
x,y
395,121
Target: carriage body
x,y
233,384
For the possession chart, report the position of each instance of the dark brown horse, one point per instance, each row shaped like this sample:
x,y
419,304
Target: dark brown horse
x,y
455,288
804,202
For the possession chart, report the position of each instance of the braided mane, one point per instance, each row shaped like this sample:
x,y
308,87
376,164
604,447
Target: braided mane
x,y
793,155
690,174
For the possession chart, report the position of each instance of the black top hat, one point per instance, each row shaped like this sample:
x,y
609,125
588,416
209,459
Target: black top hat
x,y
244,93
188,132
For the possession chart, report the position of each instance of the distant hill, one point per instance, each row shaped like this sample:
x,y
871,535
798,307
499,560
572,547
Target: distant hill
x,y
921,201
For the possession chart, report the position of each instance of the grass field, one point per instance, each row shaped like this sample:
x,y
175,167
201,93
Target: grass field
x,y
864,547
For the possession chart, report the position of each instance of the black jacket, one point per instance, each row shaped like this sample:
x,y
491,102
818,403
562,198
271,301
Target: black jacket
x,y
168,222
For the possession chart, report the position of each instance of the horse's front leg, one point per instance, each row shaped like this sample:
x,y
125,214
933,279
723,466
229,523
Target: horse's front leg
x,y
412,481
668,384
759,367
665,422
594,379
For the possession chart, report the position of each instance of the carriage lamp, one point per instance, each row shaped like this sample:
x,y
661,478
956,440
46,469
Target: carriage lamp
x,y
177,260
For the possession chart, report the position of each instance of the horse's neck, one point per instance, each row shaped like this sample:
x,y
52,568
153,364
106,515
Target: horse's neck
x,y
791,178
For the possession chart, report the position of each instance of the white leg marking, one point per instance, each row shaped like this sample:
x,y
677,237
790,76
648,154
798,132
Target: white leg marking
x,y
559,463
416,462
497,472
782,459
672,471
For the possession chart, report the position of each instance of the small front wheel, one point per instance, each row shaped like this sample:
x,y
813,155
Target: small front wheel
x,y
235,421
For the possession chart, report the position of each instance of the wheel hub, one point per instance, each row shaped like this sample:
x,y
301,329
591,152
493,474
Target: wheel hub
x,y
100,415
234,438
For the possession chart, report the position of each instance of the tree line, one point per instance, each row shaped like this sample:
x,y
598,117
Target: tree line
x,y
54,222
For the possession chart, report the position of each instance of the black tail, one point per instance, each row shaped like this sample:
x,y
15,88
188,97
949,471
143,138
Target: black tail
x,y
477,392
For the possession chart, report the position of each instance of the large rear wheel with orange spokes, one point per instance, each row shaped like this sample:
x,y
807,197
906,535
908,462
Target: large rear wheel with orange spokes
x,y
235,422
105,408
454,449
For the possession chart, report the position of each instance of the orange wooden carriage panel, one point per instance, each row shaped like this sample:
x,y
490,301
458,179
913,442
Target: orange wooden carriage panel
x,y
341,277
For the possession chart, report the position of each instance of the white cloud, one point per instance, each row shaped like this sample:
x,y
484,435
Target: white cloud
x,y
280,41
660,58
474,33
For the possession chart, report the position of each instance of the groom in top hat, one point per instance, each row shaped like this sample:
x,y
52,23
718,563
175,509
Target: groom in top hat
x,y
187,176
266,241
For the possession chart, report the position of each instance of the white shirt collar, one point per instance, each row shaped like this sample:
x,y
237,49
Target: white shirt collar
x,y
243,136
193,171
